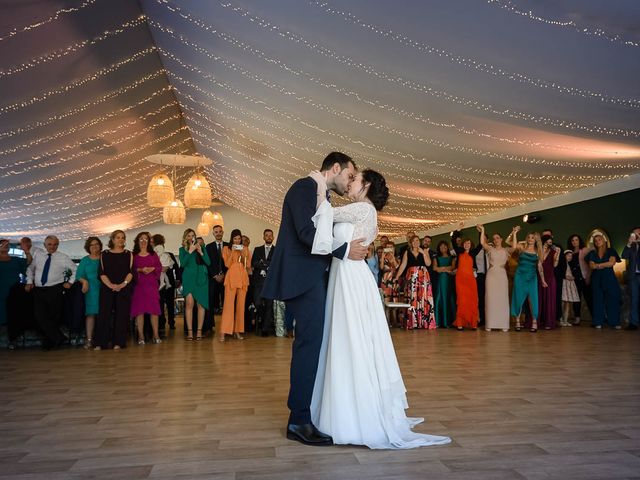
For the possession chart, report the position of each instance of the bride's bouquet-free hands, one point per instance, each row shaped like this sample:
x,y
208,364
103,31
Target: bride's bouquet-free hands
x,y
321,180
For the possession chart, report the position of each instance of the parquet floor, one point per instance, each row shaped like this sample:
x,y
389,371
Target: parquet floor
x,y
552,405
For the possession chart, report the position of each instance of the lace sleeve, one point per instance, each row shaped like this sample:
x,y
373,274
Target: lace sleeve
x,y
353,213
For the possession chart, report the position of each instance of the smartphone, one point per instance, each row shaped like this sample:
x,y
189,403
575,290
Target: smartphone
x,y
388,250
238,247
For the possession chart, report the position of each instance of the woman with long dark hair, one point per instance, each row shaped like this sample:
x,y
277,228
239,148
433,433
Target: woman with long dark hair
x,y
237,259
357,359
146,281
580,272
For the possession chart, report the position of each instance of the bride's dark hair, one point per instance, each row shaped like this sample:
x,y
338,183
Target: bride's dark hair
x,y
378,191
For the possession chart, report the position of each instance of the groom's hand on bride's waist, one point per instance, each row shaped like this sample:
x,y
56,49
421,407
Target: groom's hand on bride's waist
x,y
356,250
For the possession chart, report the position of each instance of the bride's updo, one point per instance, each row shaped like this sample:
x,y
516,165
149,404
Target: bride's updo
x,y
378,191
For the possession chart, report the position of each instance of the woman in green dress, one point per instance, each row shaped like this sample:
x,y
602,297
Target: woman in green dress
x,y
195,280
87,274
444,301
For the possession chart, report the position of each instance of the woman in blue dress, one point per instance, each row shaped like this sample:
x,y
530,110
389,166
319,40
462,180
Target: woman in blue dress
x,y
605,290
87,274
525,281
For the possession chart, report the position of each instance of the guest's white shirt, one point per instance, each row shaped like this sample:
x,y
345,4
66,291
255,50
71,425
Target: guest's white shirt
x,y
165,261
60,263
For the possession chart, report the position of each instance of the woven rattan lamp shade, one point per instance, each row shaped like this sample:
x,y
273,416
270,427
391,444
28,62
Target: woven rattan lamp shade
x,y
160,191
197,193
203,229
174,213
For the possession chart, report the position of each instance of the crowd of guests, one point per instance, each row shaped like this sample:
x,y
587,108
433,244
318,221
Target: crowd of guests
x,y
498,283
114,288
504,282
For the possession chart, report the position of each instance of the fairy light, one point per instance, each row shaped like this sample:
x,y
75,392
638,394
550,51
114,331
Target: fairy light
x,y
474,173
63,52
473,64
133,169
94,121
90,78
358,97
52,18
40,164
422,88
393,131
570,24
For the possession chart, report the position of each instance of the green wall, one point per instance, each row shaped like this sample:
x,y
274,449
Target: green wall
x,y
617,214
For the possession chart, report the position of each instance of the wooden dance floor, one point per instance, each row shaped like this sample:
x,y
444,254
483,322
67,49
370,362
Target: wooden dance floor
x,y
552,405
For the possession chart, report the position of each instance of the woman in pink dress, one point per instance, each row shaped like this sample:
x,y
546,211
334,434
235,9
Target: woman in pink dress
x,y
146,280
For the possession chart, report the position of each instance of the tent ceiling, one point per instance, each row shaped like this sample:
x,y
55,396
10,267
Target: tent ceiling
x,y
466,107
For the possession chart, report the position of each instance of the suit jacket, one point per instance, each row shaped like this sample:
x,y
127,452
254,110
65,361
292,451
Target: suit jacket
x,y
217,262
293,269
632,256
259,261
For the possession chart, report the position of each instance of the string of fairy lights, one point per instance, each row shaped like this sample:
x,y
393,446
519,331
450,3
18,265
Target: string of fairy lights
x,y
63,169
71,49
354,95
358,120
52,18
426,89
596,32
494,70
492,177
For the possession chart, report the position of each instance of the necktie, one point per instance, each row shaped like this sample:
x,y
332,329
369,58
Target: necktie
x,y
45,270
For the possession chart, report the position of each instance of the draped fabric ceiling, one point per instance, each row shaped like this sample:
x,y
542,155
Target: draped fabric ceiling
x,y
466,106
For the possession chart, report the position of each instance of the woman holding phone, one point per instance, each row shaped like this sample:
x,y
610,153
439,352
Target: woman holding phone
x,y
236,282
195,281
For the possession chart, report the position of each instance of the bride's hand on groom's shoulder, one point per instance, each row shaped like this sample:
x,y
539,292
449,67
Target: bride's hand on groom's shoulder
x,y
319,179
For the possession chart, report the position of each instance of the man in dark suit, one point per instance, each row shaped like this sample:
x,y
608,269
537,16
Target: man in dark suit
x,y
299,278
260,262
216,270
631,253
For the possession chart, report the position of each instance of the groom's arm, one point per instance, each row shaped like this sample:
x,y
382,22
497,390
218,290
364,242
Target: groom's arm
x,y
302,204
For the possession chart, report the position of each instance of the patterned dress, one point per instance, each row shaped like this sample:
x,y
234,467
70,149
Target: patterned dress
x,y
419,294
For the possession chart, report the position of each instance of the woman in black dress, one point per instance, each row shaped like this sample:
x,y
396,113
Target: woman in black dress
x,y
115,294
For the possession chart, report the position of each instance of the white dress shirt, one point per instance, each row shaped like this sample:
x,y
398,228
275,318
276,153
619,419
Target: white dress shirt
x,y
60,263
165,261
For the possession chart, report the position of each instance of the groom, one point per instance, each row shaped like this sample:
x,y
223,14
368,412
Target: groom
x,y
300,279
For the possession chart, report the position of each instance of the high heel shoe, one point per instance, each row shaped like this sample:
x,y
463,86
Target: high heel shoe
x,y
534,327
189,335
198,335
221,338
237,336
88,344
517,328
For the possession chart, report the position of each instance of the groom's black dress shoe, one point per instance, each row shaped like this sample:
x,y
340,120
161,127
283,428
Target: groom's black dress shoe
x,y
308,434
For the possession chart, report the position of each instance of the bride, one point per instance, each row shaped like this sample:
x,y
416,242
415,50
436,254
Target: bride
x,y
359,397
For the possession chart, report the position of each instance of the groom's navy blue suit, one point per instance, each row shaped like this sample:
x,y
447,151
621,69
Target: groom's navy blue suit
x,y
300,279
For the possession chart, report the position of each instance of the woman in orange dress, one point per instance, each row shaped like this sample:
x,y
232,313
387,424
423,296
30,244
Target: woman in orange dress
x,y
236,282
467,312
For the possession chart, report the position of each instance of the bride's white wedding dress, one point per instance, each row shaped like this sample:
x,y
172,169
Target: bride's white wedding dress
x,y
359,397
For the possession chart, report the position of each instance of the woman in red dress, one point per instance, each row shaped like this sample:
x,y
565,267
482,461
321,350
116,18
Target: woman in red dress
x,y
467,312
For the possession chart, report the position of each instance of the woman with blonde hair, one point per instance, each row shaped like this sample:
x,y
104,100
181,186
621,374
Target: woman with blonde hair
x,y
605,290
195,281
525,282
